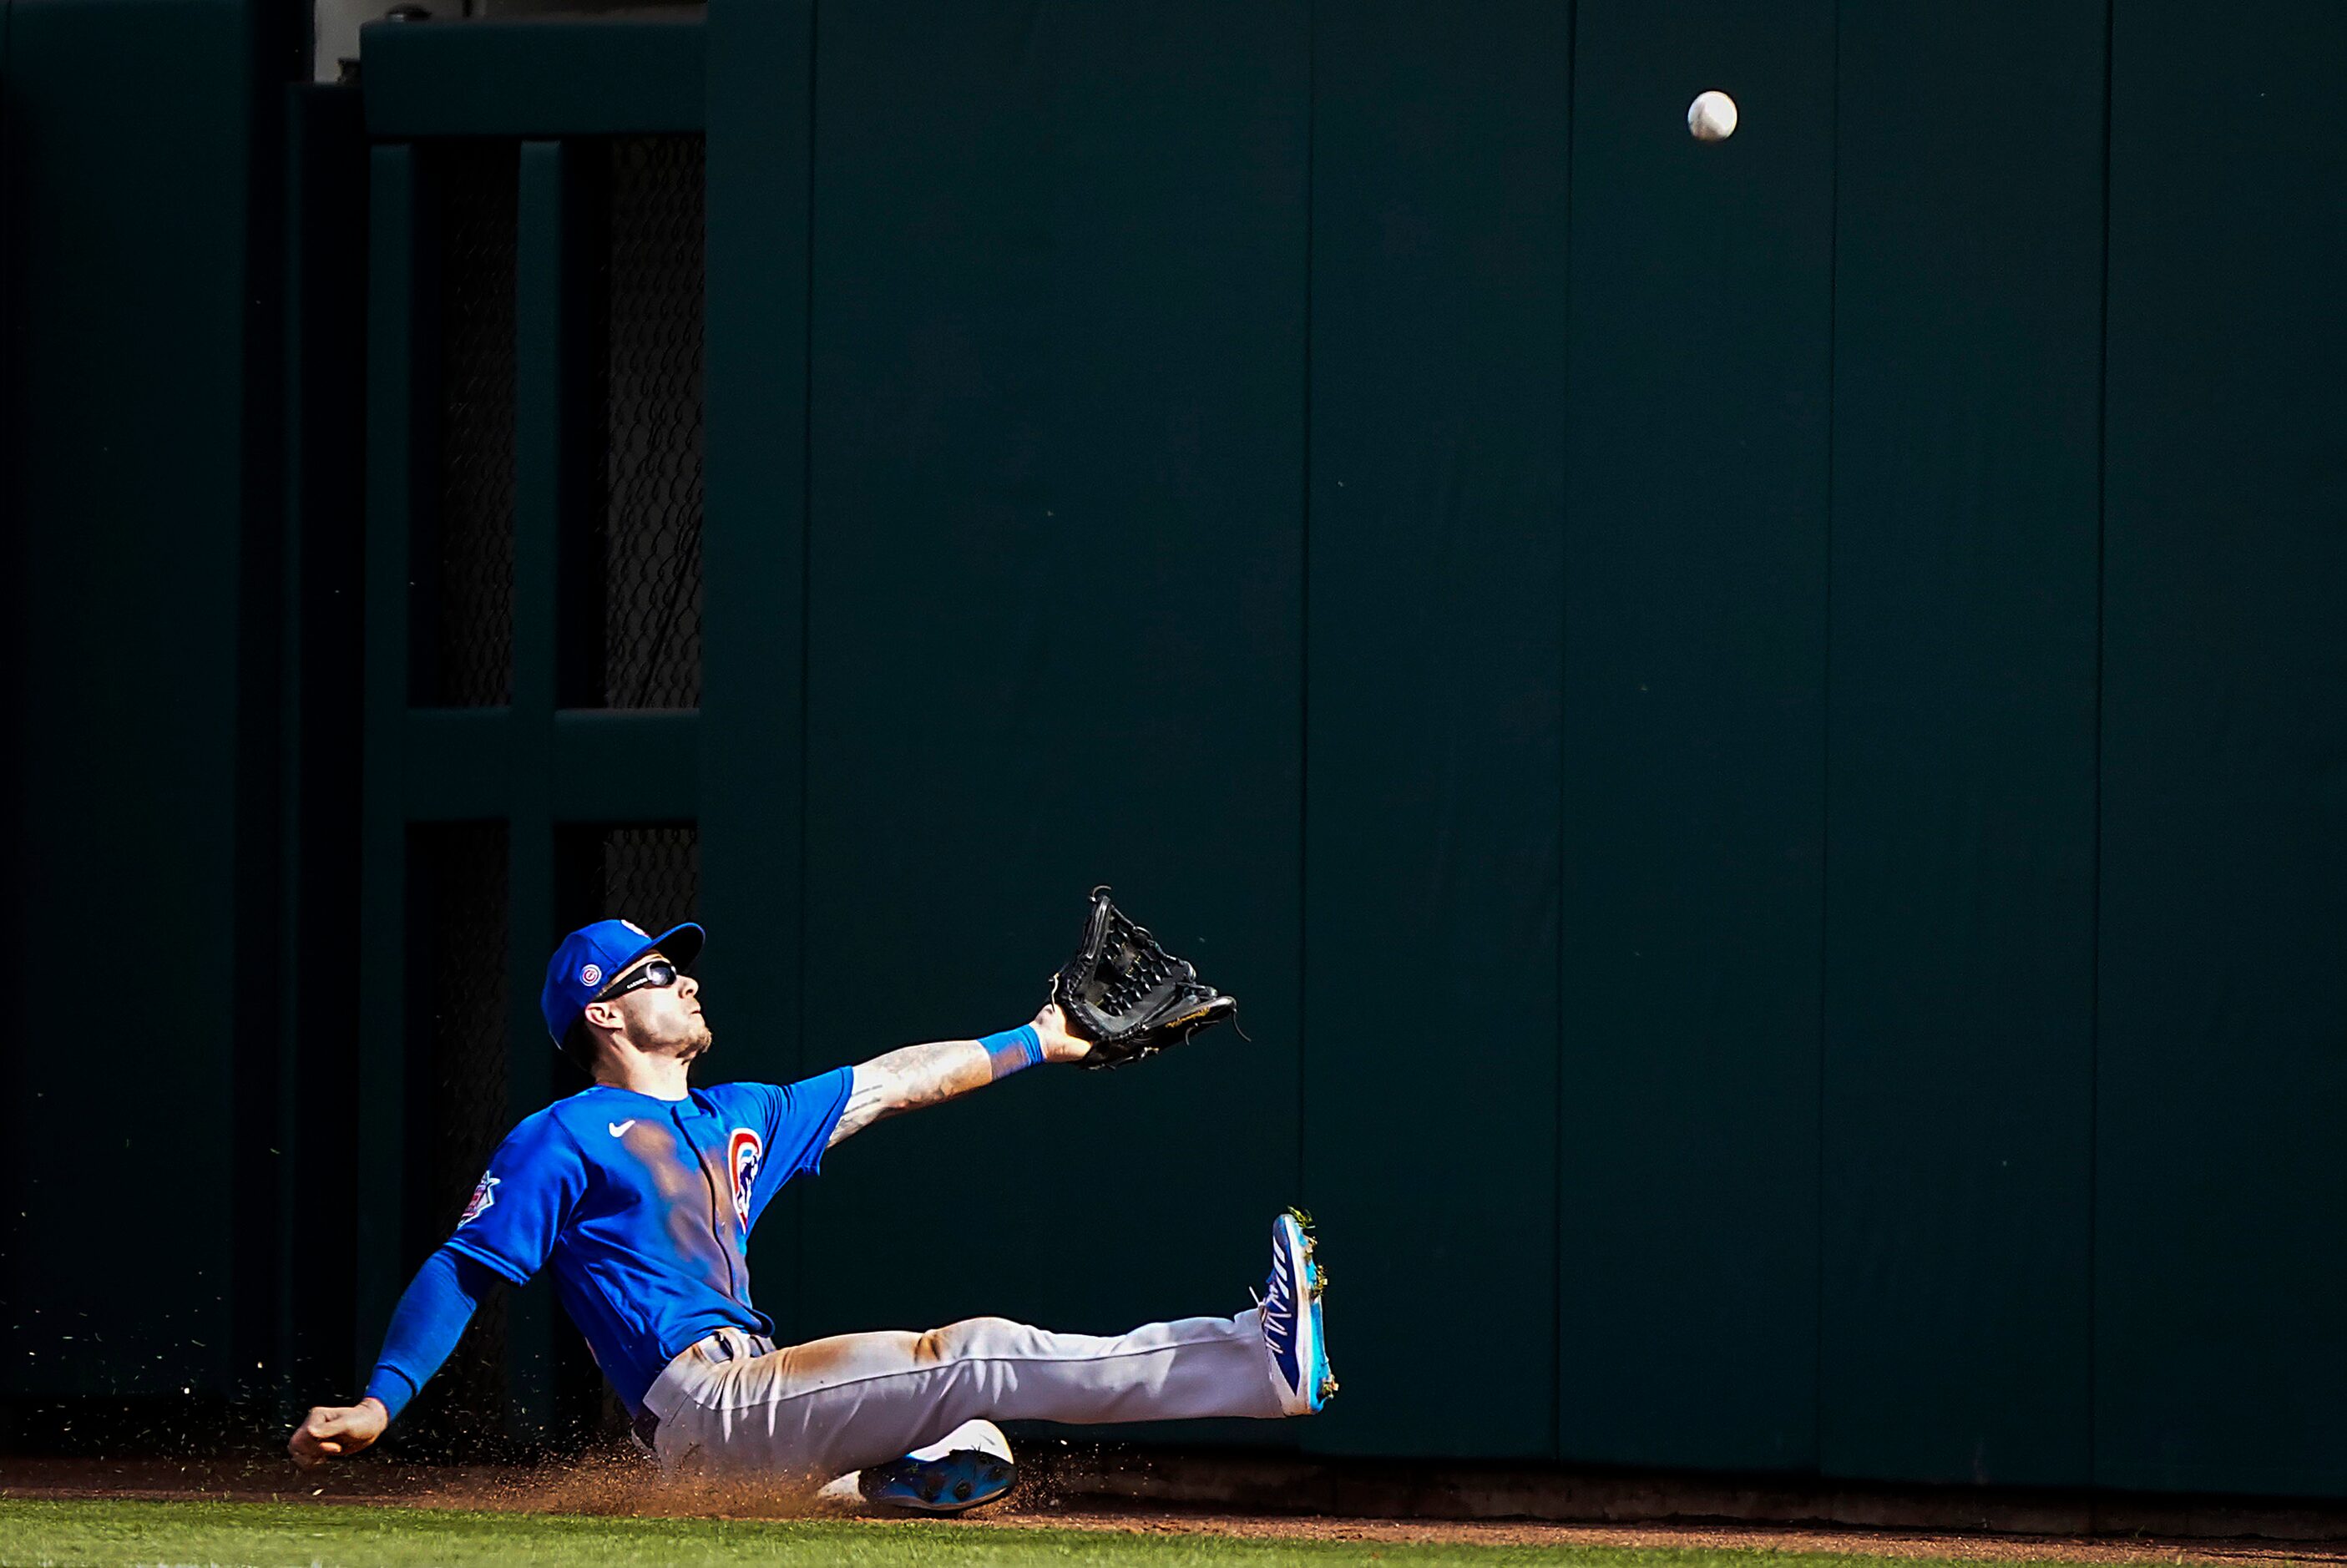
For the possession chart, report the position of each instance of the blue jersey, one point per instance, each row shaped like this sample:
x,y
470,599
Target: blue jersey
x,y
645,1207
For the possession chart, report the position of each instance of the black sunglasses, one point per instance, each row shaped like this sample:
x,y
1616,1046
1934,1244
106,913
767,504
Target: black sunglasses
x,y
659,972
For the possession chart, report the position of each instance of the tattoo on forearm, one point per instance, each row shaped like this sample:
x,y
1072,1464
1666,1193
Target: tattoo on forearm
x,y
863,1108
911,1078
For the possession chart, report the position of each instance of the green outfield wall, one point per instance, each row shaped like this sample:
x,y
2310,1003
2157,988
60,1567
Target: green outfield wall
x,y
1761,728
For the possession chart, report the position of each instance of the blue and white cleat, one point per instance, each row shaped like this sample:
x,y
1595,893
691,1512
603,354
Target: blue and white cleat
x,y
1291,1318
968,1467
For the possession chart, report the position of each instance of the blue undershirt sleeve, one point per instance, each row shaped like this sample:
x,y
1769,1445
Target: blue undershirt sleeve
x,y
427,1325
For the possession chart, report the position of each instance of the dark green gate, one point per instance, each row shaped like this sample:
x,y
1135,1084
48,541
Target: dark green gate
x,y
534,606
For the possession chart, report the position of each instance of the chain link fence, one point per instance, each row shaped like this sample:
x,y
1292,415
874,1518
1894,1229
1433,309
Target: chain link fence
x,y
652,423
640,647
465,641
648,874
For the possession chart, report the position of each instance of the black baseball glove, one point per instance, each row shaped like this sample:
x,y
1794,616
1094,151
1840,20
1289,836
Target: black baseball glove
x,y
1128,995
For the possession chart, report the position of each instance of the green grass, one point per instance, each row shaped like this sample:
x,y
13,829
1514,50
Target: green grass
x,y
39,1533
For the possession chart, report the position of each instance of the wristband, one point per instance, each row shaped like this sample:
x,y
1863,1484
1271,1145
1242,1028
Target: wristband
x,y
1013,1051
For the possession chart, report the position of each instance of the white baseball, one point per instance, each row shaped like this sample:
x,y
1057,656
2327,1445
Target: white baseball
x,y
1712,117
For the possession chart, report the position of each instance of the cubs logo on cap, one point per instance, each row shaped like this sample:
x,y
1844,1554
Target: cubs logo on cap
x,y
592,955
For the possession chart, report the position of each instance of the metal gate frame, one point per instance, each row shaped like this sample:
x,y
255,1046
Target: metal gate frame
x,y
532,765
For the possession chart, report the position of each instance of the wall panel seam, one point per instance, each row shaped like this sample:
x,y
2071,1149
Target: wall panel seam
x,y
1825,755
1304,618
2095,852
1563,746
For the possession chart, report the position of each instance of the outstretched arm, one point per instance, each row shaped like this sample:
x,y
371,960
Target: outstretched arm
x,y
429,1320
918,1075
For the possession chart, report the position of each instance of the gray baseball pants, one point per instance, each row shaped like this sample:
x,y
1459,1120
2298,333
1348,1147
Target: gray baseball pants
x,y
804,1413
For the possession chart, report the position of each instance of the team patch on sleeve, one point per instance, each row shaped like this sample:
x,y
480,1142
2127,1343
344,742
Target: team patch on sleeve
x,y
743,1152
479,1202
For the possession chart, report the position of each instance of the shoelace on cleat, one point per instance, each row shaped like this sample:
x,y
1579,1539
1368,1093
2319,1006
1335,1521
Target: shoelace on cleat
x,y
1280,1310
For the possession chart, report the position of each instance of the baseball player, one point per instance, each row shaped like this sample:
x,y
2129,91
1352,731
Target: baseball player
x,y
642,1192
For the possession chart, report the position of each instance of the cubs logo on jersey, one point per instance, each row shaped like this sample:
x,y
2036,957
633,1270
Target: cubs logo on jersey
x,y
479,1202
743,1152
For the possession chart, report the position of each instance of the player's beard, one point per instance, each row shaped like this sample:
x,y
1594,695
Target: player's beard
x,y
697,1044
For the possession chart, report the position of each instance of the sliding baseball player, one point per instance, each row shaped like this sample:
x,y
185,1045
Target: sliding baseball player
x,y
642,1192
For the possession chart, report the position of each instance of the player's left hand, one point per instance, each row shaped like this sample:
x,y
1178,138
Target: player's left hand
x,y
330,1431
1052,1028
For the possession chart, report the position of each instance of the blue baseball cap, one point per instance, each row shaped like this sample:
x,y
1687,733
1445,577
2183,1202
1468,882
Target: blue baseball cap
x,y
592,955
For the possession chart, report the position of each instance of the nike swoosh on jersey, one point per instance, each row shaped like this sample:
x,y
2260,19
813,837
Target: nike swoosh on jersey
x,y
619,1129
